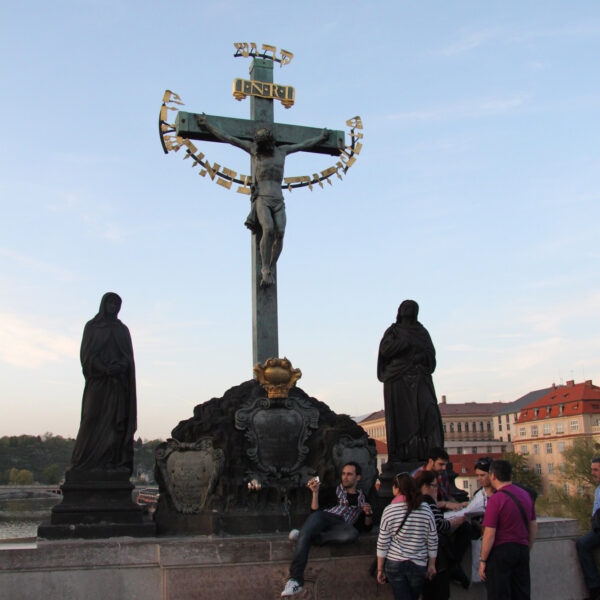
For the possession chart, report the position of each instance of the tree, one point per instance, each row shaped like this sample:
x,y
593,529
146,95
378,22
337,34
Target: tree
x,y
24,477
51,474
12,476
521,473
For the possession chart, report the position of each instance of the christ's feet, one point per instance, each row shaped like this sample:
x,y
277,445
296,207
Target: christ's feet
x,y
267,277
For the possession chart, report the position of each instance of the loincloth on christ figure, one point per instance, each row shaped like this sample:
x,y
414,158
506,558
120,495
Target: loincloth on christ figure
x,y
274,203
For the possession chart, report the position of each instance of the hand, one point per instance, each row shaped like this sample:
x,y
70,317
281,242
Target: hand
x,y
313,485
454,505
430,572
381,577
367,509
482,566
457,521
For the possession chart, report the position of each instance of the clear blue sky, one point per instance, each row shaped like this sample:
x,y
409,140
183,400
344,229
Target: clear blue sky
x,y
476,194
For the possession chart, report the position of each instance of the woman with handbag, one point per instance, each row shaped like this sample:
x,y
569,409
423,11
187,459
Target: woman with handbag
x,y
408,540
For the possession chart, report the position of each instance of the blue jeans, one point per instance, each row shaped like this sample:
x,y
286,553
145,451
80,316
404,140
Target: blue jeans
x,y
320,528
585,547
406,578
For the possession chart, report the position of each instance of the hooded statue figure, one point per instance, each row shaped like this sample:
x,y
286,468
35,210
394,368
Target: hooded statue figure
x,y
108,411
405,364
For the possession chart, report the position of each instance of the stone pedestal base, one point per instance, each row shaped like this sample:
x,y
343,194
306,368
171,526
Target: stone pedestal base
x,y
96,504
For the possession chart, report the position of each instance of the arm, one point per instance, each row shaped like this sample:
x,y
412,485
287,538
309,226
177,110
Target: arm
x,y
533,528
289,148
225,137
489,535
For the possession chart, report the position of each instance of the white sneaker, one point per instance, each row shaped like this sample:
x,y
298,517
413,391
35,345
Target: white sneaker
x,y
292,586
293,536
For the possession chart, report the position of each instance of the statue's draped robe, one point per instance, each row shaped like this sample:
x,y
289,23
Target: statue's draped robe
x,y
412,417
108,412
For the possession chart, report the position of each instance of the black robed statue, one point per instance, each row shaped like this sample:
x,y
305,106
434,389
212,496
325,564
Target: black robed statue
x,y
108,412
405,364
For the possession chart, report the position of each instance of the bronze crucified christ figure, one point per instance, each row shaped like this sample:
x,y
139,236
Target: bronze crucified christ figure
x,y
267,215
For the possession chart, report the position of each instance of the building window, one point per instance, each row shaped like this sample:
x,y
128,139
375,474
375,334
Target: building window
x,y
536,449
515,418
522,431
501,439
524,449
466,425
561,446
480,425
444,426
506,418
489,425
561,410
574,425
489,449
547,429
499,419
536,412
503,449
560,427
538,468
474,450
550,468
474,423
463,469
466,484
459,450
459,427
509,439
499,427
451,427
534,431
549,448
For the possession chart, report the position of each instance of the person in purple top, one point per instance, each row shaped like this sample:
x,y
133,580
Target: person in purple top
x,y
590,541
510,528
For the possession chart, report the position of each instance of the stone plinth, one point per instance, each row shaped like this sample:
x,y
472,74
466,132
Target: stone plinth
x,y
96,504
253,567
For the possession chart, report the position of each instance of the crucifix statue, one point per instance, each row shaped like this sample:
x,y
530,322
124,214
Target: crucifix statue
x,y
268,143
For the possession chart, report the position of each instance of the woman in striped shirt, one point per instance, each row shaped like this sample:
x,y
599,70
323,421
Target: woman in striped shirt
x,y
407,544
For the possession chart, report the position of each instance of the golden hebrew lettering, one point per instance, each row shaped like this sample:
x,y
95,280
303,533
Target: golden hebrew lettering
x,y
241,48
266,48
212,171
224,183
253,50
245,189
286,57
355,122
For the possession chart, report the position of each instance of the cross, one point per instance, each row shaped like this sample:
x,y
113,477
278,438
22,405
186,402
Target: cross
x,y
193,126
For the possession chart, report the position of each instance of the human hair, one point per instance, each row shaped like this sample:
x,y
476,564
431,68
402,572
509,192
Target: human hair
x,y
483,464
596,459
355,465
502,470
437,453
424,478
407,487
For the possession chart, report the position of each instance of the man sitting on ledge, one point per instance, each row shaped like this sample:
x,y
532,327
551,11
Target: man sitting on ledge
x,y
333,524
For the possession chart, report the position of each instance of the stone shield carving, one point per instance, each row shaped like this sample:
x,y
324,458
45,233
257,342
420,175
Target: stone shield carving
x,y
190,472
277,429
357,450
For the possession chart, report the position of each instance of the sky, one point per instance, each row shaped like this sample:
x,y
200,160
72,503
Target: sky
x,y
476,194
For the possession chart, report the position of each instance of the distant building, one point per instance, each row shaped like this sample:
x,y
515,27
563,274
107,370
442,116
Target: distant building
x,y
505,419
550,424
464,466
374,425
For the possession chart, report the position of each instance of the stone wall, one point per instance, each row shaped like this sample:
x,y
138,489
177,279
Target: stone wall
x,y
252,567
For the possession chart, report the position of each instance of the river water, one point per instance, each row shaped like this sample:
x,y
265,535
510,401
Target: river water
x,y
20,517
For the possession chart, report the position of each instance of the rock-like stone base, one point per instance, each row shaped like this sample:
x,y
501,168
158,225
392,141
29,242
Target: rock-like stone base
x,y
96,504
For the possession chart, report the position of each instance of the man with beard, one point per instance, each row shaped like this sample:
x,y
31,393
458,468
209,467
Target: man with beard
x,y
333,524
267,215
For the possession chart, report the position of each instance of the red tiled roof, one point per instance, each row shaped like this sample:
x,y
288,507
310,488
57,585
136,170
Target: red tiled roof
x,y
470,408
380,414
469,460
577,399
381,447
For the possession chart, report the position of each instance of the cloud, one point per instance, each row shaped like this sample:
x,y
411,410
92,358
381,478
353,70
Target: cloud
x,y
26,262
483,107
25,344
470,42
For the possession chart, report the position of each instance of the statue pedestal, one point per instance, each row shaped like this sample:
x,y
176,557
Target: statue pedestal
x,y
96,504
